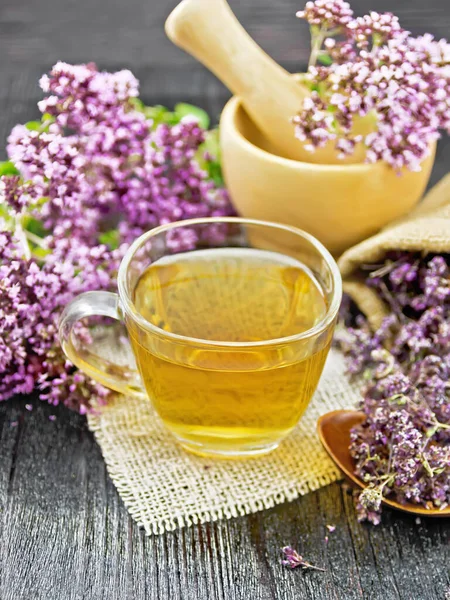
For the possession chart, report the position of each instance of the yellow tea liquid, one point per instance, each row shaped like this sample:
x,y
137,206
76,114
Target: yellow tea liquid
x,y
225,399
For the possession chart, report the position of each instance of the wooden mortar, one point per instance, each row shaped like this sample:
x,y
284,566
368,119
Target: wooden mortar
x,y
339,204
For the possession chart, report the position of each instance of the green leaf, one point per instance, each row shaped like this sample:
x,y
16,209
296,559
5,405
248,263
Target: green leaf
x,y
160,114
427,466
367,374
377,39
183,110
40,126
39,203
34,226
7,168
211,145
33,125
325,59
431,431
400,399
110,238
4,213
39,252
215,173
137,104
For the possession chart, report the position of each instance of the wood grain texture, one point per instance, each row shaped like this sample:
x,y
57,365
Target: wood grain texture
x,y
65,534
131,32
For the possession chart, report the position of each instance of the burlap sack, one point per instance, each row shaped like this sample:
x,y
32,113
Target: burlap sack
x,y
426,229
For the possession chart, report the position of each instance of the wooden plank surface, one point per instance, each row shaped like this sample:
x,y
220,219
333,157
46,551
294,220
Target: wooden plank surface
x,y
130,33
65,534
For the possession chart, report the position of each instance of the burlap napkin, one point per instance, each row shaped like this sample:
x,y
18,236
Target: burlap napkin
x,y
164,487
426,229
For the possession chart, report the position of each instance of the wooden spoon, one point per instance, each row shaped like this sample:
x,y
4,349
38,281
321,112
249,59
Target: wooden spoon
x,y
209,31
334,433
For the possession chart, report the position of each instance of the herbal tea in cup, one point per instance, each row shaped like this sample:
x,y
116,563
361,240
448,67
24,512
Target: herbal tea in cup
x,y
229,336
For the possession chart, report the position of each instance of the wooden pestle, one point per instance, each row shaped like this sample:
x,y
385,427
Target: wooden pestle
x,y
209,31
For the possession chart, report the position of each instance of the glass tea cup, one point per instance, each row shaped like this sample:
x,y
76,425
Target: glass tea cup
x,y
229,322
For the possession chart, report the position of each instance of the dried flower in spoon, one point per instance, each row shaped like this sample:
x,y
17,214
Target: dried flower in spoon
x,y
402,449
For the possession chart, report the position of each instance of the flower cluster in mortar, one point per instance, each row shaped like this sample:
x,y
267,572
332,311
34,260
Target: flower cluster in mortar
x,y
373,83
402,449
97,170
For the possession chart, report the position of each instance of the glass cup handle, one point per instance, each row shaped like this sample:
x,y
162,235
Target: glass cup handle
x,y
119,377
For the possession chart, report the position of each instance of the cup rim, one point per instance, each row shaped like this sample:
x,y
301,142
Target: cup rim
x,y
127,303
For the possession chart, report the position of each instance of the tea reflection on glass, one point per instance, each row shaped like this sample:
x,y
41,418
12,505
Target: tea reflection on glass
x,y
230,329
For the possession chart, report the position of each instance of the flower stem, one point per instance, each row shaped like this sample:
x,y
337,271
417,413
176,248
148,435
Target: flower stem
x,y
307,565
316,45
20,232
32,237
442,425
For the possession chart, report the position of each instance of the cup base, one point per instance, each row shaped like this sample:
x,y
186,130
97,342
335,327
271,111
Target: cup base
x,y
235,453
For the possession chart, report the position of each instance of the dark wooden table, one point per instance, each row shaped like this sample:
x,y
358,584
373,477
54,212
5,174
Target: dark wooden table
x,y
65,533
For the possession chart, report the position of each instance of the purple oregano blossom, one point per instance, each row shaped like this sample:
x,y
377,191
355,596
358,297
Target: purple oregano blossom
x,y
402,449
98,170
375,71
